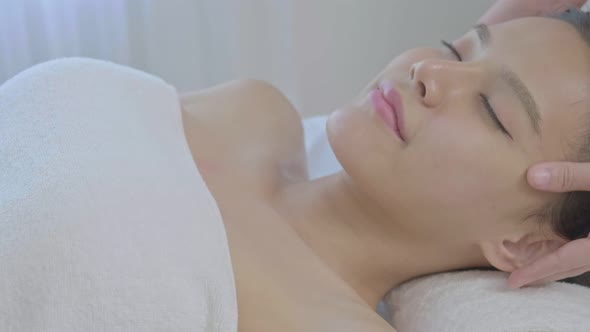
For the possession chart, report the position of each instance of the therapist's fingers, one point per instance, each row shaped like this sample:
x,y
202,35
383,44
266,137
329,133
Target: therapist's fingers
x,y
561,276
560,176
538,270
573,256
506,10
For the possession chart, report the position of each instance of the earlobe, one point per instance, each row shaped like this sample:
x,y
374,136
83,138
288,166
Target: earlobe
x,y
498,255
512,252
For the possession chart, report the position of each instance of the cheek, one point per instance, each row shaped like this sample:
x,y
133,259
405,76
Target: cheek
x,y
458,175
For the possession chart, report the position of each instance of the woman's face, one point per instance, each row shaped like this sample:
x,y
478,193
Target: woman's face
x,y
458,174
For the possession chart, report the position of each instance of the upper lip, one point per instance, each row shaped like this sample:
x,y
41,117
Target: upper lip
x,y
394,99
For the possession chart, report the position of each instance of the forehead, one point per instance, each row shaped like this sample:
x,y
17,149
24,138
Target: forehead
x,y
551,58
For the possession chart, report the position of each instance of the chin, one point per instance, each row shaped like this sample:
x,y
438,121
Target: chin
x,y
346,136
360,145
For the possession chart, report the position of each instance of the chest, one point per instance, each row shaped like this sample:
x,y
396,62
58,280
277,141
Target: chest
x,y
282,286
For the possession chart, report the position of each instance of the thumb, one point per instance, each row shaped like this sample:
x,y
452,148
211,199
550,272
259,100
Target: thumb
x,y
560,176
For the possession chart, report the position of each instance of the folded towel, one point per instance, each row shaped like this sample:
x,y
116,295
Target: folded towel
x,y
105,221
481,301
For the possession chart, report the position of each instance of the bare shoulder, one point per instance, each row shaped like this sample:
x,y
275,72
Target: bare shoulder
x,y
237,88
248,123
244,110
239,96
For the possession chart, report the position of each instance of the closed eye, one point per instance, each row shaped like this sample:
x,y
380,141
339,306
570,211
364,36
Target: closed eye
x,y
492,114
452,49
484,99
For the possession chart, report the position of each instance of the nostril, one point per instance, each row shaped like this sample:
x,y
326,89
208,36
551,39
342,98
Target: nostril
x,y
422,89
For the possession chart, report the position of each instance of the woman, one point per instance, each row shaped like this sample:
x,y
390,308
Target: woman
x,y
440,185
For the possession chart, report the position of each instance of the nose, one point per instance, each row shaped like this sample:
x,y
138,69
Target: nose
x,y
435,79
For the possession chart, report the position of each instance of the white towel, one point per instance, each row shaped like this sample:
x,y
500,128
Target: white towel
x,y
105,221
481,301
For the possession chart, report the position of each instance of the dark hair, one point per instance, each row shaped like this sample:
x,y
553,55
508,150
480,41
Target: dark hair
x,y
570,214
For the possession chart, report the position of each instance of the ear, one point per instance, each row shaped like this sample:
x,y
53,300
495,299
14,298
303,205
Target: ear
x,y
513,251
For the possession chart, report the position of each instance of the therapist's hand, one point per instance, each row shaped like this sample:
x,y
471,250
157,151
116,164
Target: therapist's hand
x,y
570,260
560,176
505,10
574,257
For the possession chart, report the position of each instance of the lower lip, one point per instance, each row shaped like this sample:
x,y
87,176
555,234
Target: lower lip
x,y
384,110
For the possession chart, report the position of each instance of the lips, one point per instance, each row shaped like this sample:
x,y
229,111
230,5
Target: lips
x,y
388,105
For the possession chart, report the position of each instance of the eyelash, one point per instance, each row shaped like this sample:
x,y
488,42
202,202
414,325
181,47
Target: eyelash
x,y
452,49
484,99
486,104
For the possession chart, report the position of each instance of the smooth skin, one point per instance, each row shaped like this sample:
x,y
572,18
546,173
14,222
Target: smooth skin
x,y
573,258
319,255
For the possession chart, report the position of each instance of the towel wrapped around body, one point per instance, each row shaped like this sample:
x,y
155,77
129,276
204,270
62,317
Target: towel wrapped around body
x,y
105,222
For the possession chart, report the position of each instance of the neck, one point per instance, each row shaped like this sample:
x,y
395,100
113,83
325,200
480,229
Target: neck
x,y
357,241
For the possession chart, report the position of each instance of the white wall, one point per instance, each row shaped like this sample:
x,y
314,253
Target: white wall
x,y
318,52
342,44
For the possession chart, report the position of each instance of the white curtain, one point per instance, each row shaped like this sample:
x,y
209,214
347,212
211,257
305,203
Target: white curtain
x,y
39,30
193,44
320,53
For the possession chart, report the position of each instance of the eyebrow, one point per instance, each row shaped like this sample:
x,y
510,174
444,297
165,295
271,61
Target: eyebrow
x,y
483,33
511,79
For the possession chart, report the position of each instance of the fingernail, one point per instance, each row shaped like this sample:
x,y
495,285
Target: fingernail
x,y
541,177
514,284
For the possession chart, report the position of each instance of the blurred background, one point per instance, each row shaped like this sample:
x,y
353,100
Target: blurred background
x,y
319,53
